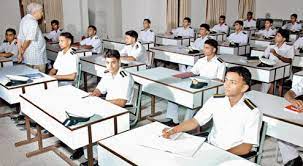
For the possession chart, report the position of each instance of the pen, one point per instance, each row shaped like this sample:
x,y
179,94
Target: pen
x,y
85,96
167,131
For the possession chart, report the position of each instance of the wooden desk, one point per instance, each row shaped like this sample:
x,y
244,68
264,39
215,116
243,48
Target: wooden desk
x,y
176,54
4,62
123,150
163,39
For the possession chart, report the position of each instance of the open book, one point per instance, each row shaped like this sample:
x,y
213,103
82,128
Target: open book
x,y
182,144
184,75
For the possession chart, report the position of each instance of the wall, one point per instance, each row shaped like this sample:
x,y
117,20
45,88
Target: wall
x,y
198,12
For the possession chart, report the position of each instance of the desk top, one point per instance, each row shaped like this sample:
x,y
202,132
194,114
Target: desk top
x,y
161,35
56,102
242,61
300,73
121,40
22,70
165,76
273,106
261,38
125,145
3,59
176,49
100,60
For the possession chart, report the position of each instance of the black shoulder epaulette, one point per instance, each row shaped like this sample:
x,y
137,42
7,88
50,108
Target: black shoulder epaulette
x,y
5,41
106,71
96,37
142,29
15,42
250,104
190,27
123,74
137,46
244,32
219,95
150,30
73,51
220,59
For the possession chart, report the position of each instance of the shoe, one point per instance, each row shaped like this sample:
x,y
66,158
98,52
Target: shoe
x,y
20,123
77,154
168,122
295,162
18,117
86,163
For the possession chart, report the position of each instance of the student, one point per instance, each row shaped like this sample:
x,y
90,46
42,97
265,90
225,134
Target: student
x,y
117,84
268,30
53,36
146,35
294,25
249,22
198,44
185,30
237,121
92,41
280,52
65,66
290,154
9,48
133,50
240,37
222,27
210,67
298,45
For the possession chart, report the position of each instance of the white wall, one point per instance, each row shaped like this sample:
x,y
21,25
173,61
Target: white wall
x,y
9,16
281,9
197,12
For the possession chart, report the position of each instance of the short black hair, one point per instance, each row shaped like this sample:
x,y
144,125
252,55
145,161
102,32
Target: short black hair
x,y
294,15
188,19
55,22
243,72
222,16
212,43
111,53
206,26
132,33
270,20
148,20
10,30
250,13
68,36
239,22
284,33
92,26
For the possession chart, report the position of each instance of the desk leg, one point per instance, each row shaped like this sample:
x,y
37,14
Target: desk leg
x,y
153,112
90,156
85,81
10,114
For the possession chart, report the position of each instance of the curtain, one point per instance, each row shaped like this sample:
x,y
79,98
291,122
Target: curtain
x,y
246,6
184,10
172,14
214,9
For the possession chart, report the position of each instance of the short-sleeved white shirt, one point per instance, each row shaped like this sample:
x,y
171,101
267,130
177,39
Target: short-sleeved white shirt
x,y
267,33
213,69
12,47
95,42
249,23
298,88
232,126
221,28
298,43
293,27
66,63
147,35
199,42
240,38
285,50
54,35
137,51
181,31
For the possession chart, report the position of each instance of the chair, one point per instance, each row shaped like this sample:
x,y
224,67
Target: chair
x,y
77,82
135,105
150,59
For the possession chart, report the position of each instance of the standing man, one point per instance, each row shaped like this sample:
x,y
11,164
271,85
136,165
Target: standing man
x,y
32,47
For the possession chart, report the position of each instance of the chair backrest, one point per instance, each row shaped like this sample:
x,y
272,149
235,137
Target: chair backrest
x,y
77,81
262,135
150,59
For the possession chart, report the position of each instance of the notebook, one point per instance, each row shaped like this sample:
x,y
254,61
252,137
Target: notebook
x,y
292,109
184,75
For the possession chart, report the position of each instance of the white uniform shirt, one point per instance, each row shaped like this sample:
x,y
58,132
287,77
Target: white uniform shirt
x,y
54,35
213,69
147,35
240,38
267,33
95,42
12,47
199,43
285,50
181,31
66,63
293,27
221,28
35,54
119,86
298,88
249,23
298,43
137,51
232,126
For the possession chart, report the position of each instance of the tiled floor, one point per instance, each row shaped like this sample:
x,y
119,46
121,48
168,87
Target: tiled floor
x,y
12,156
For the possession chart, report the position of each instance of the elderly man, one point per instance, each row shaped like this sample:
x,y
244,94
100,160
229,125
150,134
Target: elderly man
x,y
32,47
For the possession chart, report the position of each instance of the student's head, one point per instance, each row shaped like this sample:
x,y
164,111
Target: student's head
x,y
204,29
186,22
131,37
10,34
65,40
237,81
55,25
112,58
293,18
36,10
268,23
146,23
238,25
210,47
91,31
282,36
222,19
249,15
